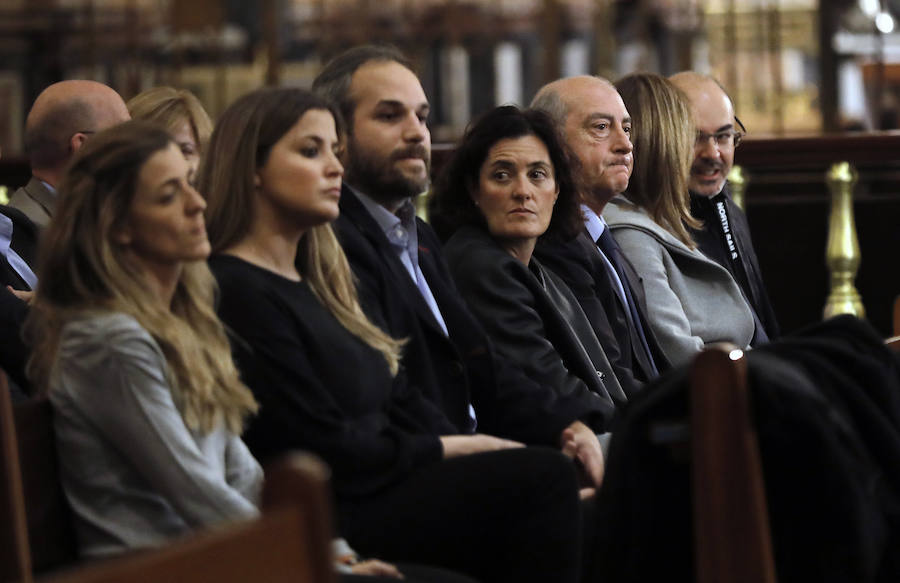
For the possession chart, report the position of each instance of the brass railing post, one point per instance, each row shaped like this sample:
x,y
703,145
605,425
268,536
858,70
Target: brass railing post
x,y
842,253
738,181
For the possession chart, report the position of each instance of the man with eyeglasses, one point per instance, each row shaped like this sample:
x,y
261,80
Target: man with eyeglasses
x,y
59,122
725,236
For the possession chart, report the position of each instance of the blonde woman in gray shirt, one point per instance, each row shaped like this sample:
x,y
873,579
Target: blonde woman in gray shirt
x,y
148,404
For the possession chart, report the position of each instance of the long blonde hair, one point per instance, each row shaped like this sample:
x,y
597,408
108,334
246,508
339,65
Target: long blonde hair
x,y
662,133
83,271
240,145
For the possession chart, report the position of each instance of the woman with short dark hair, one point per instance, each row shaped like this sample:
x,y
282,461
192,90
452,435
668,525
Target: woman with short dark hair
x,y
509,183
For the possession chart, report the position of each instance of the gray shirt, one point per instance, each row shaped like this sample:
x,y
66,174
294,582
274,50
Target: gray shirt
x,y
134,473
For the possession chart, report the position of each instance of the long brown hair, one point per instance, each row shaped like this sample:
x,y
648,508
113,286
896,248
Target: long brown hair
x,y
82,270
240,145
662,133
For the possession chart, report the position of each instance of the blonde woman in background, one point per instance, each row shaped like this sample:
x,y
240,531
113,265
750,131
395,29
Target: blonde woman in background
x,y
691,299
180,113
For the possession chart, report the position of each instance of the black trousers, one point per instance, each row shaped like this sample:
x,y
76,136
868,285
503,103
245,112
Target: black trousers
x,y
506,516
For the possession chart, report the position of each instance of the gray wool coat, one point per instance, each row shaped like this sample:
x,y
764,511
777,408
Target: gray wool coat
x,y
691,300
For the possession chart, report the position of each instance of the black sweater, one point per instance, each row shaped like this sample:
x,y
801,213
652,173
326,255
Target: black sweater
x,y
319,387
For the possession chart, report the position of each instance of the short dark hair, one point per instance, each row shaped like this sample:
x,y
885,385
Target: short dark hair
x,y
450,205
333,81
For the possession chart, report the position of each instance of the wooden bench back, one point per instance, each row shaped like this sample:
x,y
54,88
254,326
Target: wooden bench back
x,y
289,543
15,560
732,539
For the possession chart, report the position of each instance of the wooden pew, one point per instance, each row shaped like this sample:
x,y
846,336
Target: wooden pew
x,y
15,559
732,540
290,542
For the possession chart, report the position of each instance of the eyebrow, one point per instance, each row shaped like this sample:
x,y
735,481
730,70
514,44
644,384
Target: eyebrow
x,y
729,126
174,181
607,116
393,103
504,163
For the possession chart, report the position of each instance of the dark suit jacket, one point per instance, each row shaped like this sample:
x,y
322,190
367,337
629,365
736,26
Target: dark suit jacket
x,y
36,201
533,320
578,263
24,243
710,243
454,370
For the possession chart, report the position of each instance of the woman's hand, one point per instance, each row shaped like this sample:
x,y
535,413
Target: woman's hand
x,y
457,445
376,567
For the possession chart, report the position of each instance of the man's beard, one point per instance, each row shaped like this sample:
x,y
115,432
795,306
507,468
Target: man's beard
x,y
380,179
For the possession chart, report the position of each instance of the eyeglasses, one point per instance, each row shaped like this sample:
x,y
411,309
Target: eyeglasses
x,y
725,139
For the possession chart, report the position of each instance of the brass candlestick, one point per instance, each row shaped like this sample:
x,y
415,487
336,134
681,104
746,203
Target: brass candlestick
x,y
738,181
842,253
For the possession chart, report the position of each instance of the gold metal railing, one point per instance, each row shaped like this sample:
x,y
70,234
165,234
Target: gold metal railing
x,y
842,251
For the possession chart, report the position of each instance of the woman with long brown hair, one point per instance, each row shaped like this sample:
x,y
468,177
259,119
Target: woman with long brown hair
x,y
148,405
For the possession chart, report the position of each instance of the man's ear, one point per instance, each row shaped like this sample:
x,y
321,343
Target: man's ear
x,y
76,141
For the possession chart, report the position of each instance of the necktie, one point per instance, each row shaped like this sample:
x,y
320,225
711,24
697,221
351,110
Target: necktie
x,y
610,249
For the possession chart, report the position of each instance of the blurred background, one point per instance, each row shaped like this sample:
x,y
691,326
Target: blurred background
x,y
794,67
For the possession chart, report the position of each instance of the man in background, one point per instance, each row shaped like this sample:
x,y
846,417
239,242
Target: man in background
x,y
725,236
62,118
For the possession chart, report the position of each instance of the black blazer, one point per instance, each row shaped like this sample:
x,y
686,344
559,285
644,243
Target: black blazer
x,y
578,263
456,370
533,320
710,243
24,243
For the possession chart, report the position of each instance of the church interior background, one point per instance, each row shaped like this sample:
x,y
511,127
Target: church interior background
x,y
792,66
